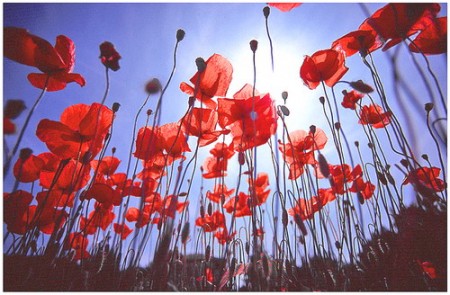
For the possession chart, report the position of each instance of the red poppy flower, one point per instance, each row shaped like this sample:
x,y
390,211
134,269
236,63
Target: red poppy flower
x,y
123,230
103,194
397,21
212,222
82,128
141,218
427,178
299,150
28,170
170,204
223,237
202,124
341,174
260,184
16,214
375,116
428,268
253,120
55,198
79,243
208,276
350,99
214,81
432,39
101,217
167,138
241,202
68,175
219,191
305,208
106,166
109,56
365,188
326,66
360,41
56,63
284,7
217,165
47,218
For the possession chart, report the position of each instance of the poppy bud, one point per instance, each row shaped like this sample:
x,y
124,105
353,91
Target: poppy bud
x,y
337,125
185,233
207,253
284,218
300,224
390,178
323,166
312,129
149,112
360,198
210,209
153,86
344,92
322,100
191,101
113,150
253,45
25,153
241,158
202,211
429,106
338,245
13,108
361,86
370,145
180,35
183,194
357,143
109,56
284,95
266,11
285,110
425,157
115,107
381,178
404,162
201,64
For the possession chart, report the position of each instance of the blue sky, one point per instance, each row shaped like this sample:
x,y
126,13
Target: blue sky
x,y
144,35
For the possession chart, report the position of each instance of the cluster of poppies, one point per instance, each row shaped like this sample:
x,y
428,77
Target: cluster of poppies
x,y
70,173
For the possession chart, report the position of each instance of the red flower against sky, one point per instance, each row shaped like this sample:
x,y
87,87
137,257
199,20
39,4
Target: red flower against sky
x,y
123,230
299,150
223,237
219,190
202,123
82,128
16,212
426,177
101,217
109,56
212,222
306,208
106,166
214,81
396,21
241,202
326,66
284,7
351,98
217,165
56,63
253,120
55,198
341,174
374,115
360,41
79,243
103,194
167,138
260,184
28,170
432,39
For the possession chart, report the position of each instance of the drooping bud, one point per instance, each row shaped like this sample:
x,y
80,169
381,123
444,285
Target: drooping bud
x,y
25,153
185,233
153,86
323,166
266,11
381,178
201,64
115,107
285,110
404,162
180,35
322,100
360,198
361,86
210,209
429,106
254,45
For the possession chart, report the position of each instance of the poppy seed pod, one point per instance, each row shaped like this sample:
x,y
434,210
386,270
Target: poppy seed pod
x,y
404,162
322,100
25,153
266,11
425,157
180,35
337,125
361,86
153,86
312,129
429,106
253,45
284,95
113,150
149,112
115,107
201,64
357,143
